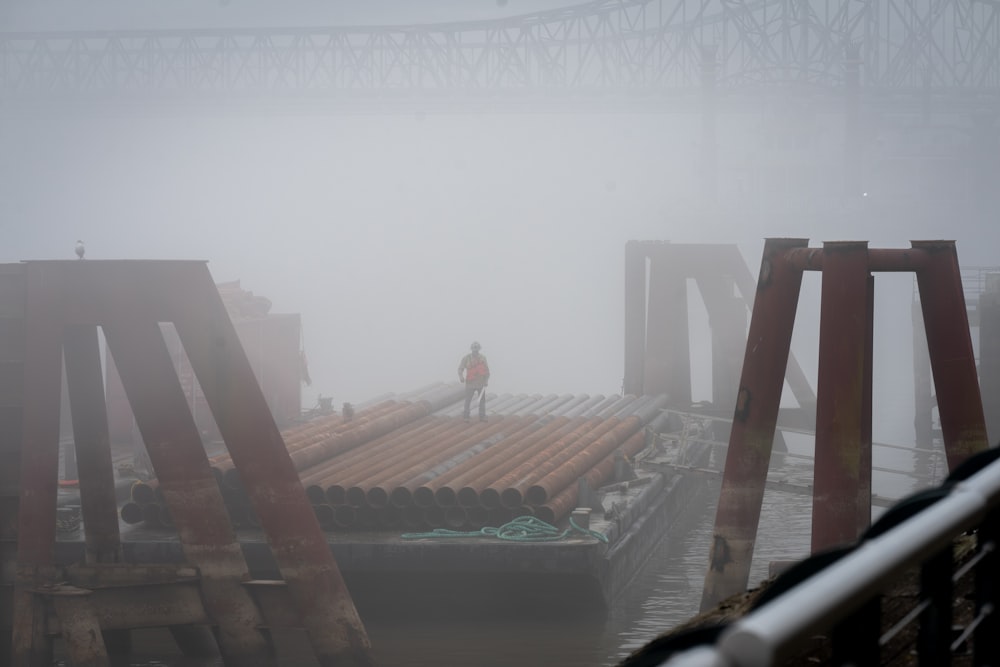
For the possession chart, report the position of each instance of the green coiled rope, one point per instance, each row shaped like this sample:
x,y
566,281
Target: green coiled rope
x,y
521,529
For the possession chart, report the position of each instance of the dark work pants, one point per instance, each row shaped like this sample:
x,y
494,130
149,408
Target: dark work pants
x,y
469,391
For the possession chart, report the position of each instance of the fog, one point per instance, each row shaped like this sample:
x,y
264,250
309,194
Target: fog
x,y
402,234
25,15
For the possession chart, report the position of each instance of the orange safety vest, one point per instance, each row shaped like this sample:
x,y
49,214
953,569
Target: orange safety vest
x,y
476,369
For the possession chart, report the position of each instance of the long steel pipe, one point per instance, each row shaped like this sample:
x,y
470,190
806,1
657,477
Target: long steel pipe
x,y
473,442
469,493
375,488
492,495
440,490
349,439
565,501
402,494
422,488
376,448
575,462
407,457
337,484
223,467
223,463
349,466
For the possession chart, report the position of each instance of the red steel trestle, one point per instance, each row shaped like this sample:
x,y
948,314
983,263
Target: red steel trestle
x,y
843,464
93,605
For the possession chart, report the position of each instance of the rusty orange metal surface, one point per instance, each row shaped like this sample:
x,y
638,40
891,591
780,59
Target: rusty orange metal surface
x,y
843,458
412,476
841,503
66,301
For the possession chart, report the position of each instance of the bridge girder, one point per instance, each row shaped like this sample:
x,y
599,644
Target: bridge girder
x,y
600,48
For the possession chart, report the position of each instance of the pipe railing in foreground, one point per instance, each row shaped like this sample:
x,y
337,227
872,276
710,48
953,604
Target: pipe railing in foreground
x,y
832,598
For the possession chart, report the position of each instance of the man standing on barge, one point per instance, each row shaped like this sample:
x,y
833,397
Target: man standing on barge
x,y
475,373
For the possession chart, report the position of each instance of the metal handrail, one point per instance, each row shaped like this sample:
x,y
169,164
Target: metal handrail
x,y
782,628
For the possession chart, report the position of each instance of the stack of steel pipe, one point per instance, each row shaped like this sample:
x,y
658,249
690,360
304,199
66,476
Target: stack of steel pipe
x,y
145,505
422,496
411,464
356,481
319,448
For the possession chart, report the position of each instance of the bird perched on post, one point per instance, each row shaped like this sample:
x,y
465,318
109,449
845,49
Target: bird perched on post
x,y
80,249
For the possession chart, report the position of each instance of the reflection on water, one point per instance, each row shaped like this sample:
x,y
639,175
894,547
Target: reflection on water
x,y
666,592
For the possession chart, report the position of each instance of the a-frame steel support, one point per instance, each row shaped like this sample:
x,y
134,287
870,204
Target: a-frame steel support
x,y
842,490
64,304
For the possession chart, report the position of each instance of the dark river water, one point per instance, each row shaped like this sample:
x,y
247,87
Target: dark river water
x,y
666,592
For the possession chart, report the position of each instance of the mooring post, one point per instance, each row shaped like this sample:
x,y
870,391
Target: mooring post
x,y
840,493
754,422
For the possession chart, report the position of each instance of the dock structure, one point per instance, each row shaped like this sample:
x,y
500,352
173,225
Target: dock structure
x,y
53,310
842,499
260,528
557,499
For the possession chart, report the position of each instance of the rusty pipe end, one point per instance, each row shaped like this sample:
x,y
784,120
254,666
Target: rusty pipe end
x,y
423,497
511,498
446,496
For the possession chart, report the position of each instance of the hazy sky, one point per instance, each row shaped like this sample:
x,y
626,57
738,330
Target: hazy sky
x,y
400,237
138,14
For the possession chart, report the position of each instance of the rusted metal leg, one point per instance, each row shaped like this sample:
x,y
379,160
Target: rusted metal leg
x,y
798,384
268,474
839,491
90,434
668,350
80,629
864,516
923,397
635,316
953,362
754,422
186,481
12,344
39,463
727,319
95,468
989,354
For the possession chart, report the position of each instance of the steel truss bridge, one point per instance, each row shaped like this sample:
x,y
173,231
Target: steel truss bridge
x,y
948,49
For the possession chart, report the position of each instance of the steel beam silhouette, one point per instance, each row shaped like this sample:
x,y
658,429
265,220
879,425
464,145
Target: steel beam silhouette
x,y
595,48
